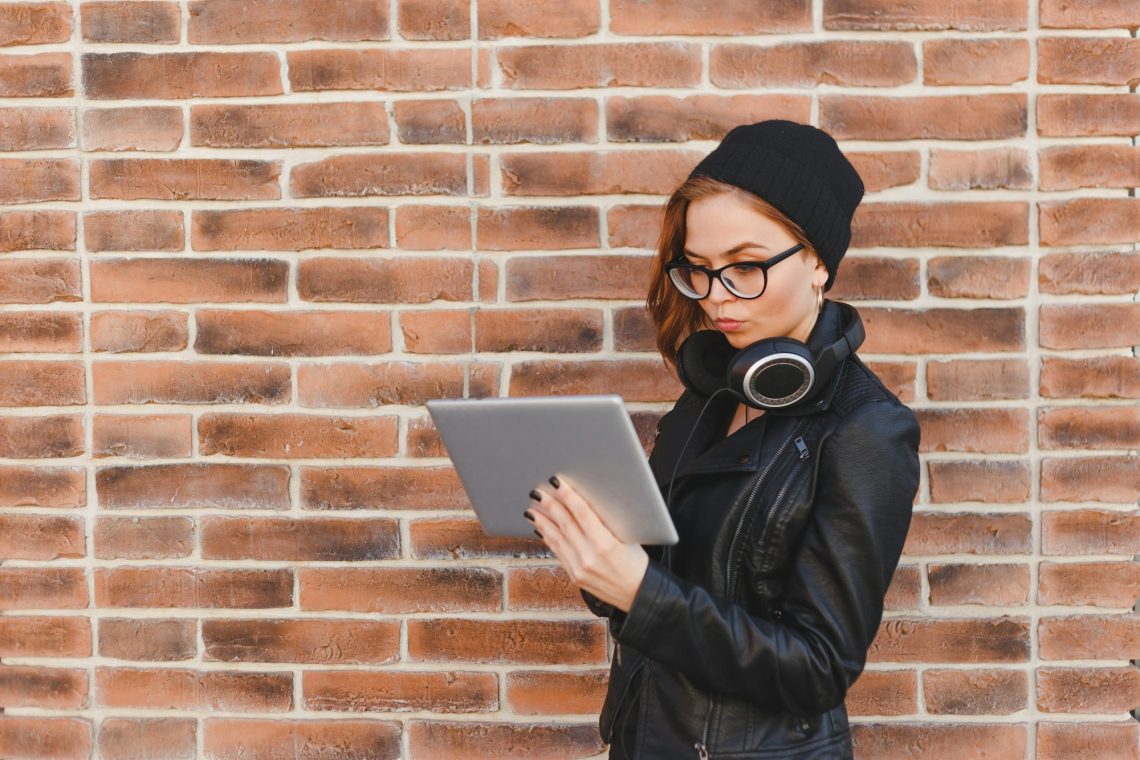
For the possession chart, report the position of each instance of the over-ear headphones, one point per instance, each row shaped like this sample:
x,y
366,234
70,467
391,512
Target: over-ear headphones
x,y
773,373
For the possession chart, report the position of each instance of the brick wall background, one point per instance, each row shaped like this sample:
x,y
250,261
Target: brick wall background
x,y
244,240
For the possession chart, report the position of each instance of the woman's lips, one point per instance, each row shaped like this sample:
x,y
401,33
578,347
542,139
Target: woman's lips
x,y
728,325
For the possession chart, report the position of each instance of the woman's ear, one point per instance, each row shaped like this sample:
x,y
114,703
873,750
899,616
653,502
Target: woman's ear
x,y
819,273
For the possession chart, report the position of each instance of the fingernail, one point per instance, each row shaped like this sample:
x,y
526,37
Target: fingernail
x,y
528,515
555,482
538,534
536,495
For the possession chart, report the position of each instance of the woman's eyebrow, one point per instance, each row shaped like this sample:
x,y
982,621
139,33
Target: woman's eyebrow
x,y
734,249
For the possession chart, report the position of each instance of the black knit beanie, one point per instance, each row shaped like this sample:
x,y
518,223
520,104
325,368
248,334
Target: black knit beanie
x,y
798,169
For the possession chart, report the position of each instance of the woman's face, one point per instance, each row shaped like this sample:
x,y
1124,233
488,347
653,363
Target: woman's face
x,y
723,229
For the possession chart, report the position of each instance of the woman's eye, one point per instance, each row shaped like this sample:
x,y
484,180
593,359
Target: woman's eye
x,y
746,268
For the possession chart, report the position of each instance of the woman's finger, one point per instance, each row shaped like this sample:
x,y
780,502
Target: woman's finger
x,y
581,510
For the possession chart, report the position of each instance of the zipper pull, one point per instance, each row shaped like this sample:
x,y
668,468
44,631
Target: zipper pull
x,y
802,448
617,654
702,753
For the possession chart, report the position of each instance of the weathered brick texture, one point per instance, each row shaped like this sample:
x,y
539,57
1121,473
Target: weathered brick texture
x,y
243,241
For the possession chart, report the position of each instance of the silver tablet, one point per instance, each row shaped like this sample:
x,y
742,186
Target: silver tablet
x,y
502,448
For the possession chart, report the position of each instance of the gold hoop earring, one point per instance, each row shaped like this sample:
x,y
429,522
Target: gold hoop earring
x,y
819,300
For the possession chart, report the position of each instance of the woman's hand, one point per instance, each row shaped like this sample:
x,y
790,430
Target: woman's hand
x,y
594,558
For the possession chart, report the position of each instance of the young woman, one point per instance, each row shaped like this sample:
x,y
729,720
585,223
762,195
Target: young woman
x,y
789,470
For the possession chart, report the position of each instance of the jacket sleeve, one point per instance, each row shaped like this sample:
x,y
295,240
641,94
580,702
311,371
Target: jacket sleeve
x,y
833,599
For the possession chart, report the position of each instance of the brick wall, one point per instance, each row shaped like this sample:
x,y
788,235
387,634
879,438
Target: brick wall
x,y
244,240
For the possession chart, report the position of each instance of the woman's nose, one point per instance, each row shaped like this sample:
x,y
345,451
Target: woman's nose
x,y
718,293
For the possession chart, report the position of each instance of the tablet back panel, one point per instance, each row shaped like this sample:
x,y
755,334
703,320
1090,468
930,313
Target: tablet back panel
x,y
502,448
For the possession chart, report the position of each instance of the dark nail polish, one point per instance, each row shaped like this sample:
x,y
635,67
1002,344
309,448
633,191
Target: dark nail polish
x,y
528,515
555,482
538,534
536,495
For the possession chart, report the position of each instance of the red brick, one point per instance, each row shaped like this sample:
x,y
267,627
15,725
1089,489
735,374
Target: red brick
x,y
547,330
1084,221
450,538
1087,115
1088,427
886,169
128,382
929,640
43,588
934,533
401,590
423,439
305,539
41,437
301,641
36,128
947,117
1082,60
433,228
633,330
884,692
133,231
62,487
208,588
912,741
362,385
185,179
43,280
139,331
1108,273
877,277
975,691
289,125
228,22
381,488
148,639
955,225
1090,531
143,537
1105,741
42,75
37,230
612,64
899,377
41,383
404,691
977,379
598,173
439,740
542,588
1092,325
943,331
381,174
905,591
545,278
975,62
537,228
202,74
1101,478
292,333
982,480
970,16
541,692
173,486
41,537
543,121
544,642
719,17
434,20
1070,167
1093,377
426,122
34,23
1000,168
992,585
990,430
153,128
39,179
44,636
1090,637
137,738
667,118
1099,584
175,689
35,738
189,280
380,69
1104,14
799,64
436,332
640,379
499,19
239,739
138,22
46,688
289,229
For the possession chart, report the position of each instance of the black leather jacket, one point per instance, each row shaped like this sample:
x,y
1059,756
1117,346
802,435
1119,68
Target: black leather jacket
x,y
745,646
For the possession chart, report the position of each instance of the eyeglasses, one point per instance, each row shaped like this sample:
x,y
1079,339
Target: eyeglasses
x,y
744,279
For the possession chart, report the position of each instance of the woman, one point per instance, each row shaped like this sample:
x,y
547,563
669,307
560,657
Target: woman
x,y
742,640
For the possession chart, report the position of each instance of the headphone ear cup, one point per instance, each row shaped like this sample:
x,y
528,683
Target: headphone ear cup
x,y
702,362
773,373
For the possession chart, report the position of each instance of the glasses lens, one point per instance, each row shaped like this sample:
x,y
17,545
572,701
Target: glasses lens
x,y
745,280
691,282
